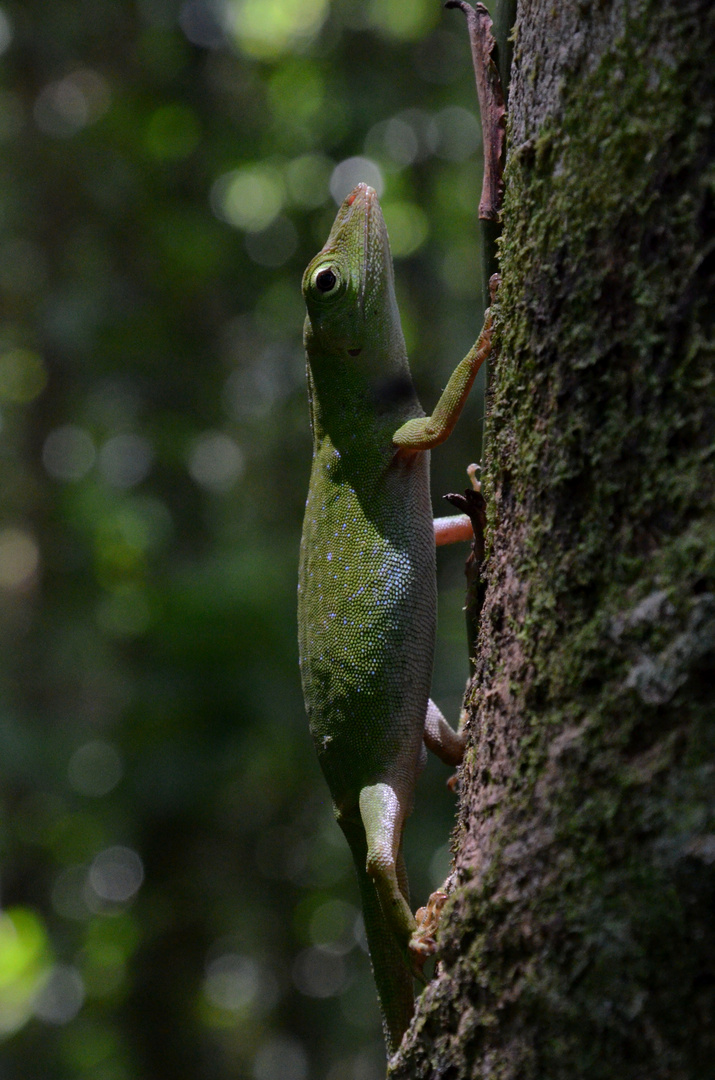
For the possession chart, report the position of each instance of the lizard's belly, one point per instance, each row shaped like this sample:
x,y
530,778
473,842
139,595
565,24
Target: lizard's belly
x,y
367,612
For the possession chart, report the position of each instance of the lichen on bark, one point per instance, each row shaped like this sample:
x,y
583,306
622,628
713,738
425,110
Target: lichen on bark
x,y
580,940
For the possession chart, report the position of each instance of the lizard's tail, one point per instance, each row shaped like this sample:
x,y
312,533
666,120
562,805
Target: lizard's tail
x,y
393,979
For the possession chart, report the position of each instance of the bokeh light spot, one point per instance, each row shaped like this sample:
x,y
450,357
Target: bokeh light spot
x,y
125,460
116,874
24,962
61,998
353,171
266,29
19,558
248,198
200,23
68,452
215,462
405,21
412,135
401,140
232,982
395,140
64,107
95,768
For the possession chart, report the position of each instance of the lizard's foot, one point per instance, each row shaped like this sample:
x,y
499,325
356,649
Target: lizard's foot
x,y
423,942
472,471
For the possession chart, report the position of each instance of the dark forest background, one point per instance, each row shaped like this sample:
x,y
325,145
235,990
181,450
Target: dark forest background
x,y
177,901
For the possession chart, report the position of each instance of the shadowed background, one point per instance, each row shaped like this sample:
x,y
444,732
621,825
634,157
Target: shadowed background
x,y
177,901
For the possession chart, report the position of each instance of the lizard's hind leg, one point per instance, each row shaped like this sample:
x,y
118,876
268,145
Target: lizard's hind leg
x,y
383,818
393,975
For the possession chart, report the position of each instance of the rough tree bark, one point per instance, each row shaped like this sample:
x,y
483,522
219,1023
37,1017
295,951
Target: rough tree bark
x,y
580,941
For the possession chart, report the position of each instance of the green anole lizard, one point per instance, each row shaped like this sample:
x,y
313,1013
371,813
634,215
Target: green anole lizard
x,y
367,595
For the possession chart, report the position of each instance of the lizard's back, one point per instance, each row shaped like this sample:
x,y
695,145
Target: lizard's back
x,y
367,600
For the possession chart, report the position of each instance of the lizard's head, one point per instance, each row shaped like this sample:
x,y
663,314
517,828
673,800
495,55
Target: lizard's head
x,y
349,286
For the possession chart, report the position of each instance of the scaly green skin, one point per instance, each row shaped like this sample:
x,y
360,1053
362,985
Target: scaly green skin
x,y
367,595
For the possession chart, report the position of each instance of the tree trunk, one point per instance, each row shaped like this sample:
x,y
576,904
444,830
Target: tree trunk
x,y
580,941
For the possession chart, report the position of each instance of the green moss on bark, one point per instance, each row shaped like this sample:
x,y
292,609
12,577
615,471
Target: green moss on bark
x,y
582,943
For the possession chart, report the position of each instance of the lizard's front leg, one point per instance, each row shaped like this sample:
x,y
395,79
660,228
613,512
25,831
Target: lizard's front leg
x,y
426,432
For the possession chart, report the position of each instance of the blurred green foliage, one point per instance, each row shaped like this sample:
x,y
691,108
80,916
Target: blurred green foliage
x,y
177,900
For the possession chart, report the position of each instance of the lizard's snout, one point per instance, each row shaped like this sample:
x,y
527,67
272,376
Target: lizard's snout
x,y
362,193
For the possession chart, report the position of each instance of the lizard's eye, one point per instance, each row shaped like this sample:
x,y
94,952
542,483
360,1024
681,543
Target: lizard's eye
x,y
327,280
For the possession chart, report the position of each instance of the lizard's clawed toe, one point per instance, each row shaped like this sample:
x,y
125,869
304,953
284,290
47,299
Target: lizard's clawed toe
x,y
423,942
